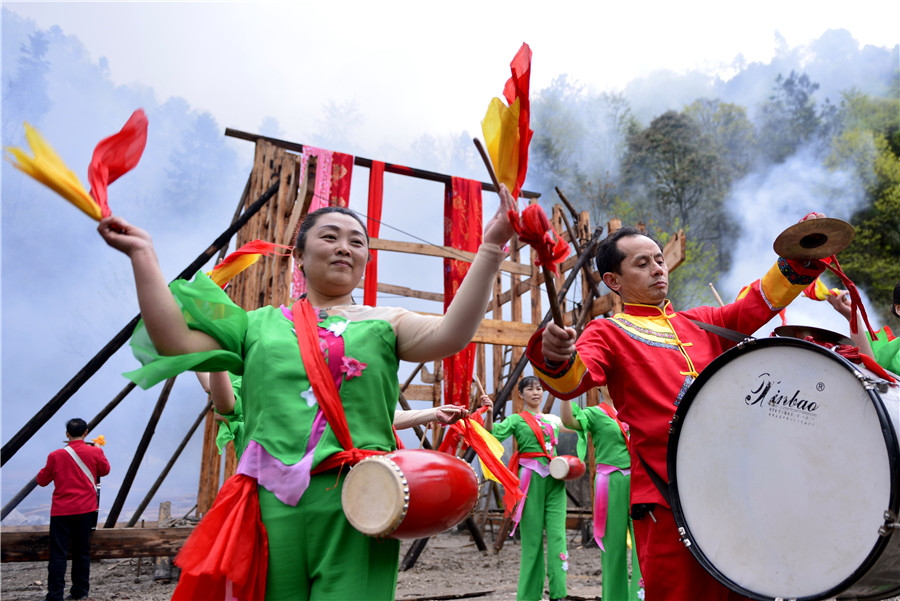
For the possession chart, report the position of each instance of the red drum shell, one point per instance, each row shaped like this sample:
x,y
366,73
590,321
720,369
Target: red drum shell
x,y
566,467
409,494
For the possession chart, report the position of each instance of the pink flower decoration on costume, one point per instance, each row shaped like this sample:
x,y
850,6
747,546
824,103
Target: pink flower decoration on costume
x,y
352,367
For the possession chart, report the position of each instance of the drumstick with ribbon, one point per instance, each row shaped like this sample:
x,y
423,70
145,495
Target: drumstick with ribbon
x,y
534,229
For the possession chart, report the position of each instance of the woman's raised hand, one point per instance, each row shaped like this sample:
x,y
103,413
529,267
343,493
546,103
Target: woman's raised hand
x,y
450,414
123,236
499,230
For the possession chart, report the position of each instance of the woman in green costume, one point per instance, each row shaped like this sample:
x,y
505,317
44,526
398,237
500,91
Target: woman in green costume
x,y
612,488
294,456
544,506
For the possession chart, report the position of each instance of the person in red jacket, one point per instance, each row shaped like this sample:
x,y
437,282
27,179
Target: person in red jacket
x,y
647,356
73,513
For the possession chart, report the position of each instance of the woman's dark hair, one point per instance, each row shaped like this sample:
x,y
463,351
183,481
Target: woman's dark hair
x,y
896,300
76,427
310,220
528,381
609,257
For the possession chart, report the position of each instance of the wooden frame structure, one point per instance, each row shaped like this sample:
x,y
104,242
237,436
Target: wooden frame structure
x,y
277,196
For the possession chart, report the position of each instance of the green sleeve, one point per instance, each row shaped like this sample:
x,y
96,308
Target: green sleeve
x,y
584,420
886,352
207,308
506,428
233,426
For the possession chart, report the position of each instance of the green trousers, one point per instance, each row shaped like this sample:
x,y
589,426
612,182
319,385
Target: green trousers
x,y
545,509
614,559
314,552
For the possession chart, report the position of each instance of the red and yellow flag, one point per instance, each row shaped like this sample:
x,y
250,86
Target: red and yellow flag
x,y
243,258
113,157
506,129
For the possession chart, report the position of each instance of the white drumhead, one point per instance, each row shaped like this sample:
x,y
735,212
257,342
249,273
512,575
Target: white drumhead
x,y
559,468
782,469
375,497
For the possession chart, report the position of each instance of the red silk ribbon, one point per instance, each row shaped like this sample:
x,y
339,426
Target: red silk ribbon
x,y
534,229
115,156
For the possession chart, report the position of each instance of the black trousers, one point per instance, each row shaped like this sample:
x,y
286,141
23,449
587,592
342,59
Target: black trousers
x,y
66,531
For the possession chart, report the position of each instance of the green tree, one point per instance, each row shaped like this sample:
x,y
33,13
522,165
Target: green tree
x,y
673,170
579,139
789,118
868,126
731,132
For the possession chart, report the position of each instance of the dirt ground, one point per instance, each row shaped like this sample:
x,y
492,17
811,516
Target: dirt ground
x,y
450,567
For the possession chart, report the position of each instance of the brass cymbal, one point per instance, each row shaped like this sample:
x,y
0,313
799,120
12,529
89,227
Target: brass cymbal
x,y
814,239
817,334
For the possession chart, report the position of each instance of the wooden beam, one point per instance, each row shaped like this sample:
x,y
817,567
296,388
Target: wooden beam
x,y
496,331
419,392
405,292
363,162
444,252
106,543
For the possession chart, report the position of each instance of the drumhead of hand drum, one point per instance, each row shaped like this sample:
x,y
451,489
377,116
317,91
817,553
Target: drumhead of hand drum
x,y
782,464
375,496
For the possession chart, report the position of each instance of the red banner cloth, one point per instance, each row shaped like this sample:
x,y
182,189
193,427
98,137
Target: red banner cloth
x,y
341,174
463,231
376,192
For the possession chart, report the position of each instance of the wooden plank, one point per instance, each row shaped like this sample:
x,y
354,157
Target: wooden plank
x,y
444,252
497,331
407,292
420,392
209,466
674,250
303,200
497,312
106,543
507,333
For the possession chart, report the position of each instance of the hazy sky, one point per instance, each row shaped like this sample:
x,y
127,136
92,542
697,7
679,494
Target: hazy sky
x,y
424,67
412,69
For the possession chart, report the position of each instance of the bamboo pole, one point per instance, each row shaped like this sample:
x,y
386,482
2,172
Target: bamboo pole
x,y
165,472
139,454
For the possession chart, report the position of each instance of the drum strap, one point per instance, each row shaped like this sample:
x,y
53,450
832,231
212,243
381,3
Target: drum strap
x,y
732,335
661,484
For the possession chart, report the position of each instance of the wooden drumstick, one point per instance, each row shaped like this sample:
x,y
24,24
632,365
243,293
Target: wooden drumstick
x,y
716,294
479,384
548,276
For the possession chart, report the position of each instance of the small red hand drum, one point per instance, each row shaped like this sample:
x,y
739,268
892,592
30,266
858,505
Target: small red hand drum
x,y
409,493
566,467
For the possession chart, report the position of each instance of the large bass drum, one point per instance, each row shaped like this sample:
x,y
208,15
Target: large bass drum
x,y
784,473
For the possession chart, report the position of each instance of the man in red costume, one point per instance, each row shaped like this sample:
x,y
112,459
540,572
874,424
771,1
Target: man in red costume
x,y
74,471
647,356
